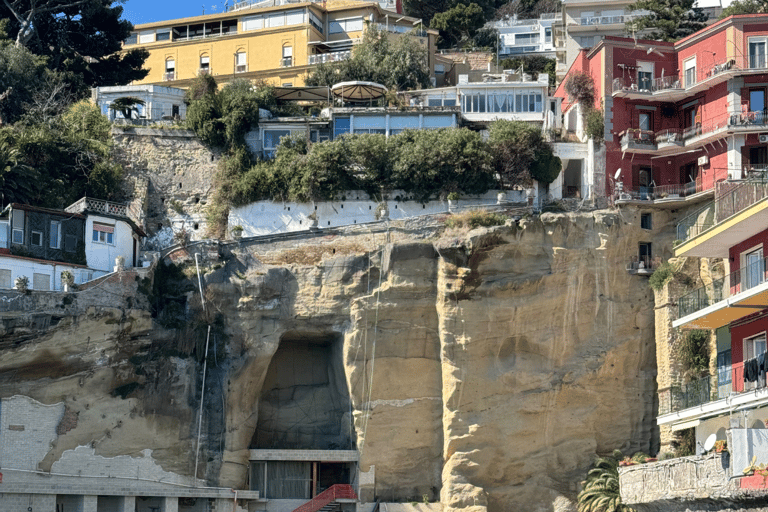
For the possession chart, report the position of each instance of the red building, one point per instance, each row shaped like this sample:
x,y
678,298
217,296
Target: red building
x,y
680,117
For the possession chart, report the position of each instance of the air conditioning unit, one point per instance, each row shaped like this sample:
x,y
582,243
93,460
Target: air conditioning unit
x,y
703,160
763,138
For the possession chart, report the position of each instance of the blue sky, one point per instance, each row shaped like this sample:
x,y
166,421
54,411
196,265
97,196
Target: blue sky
x,y
147,11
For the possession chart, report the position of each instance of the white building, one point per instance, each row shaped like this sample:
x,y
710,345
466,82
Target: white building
x,y
526,37
159,102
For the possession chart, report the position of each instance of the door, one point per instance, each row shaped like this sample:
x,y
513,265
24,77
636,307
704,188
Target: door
x,y
645,255
754,269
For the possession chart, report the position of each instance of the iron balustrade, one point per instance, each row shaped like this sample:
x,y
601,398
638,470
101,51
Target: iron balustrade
x,y
720,289
669,136
748,119
170,75
655,192
286,62
636,136
727,381
604,20
322,58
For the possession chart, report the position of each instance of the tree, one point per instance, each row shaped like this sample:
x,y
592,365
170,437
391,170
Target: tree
x,y
16,178
400,64
745,7
81,38
127,106
521,154
458,24
527,9
600,491
426,9
21,74
580,88
667,20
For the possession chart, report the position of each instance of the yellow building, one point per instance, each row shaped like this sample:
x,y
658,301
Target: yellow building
x,y
278,41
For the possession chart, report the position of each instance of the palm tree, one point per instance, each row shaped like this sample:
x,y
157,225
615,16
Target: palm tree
x,y
601,488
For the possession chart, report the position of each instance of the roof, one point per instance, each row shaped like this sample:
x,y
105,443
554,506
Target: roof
x,y
50,211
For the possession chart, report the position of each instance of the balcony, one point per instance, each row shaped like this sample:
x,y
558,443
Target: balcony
x,y
643,266
322,58
603,20
416,30
660,193
667,88
749,121
242,68
672,140
714,394
169,75
638,141
90,205
739,211
725,300
286,62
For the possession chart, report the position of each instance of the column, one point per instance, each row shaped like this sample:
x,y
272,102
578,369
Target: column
x,y
127,504
735,143
169,504
90,503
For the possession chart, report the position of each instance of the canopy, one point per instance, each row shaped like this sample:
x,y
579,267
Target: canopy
x,y
358,91
302,93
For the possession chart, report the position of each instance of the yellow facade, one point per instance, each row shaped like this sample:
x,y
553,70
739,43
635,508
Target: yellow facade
x,y
278,44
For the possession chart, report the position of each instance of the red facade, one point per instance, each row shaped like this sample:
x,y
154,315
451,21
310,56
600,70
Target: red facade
x,y
682,116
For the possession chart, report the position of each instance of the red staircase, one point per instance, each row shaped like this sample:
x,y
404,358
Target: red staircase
x,y
327,497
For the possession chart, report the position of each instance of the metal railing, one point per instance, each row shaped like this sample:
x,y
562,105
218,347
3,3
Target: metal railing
x,y
655,192
241,68
741,280
400,29
747,119
333,493
638,137
604,20
170,75
757,172
640,264
669,136
286,62
322,58
666,83
727,381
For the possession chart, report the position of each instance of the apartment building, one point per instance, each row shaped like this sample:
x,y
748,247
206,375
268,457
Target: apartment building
x,y
681,117
526,36
278,41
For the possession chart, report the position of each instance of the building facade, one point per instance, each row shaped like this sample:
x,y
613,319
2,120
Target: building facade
x,y
278,42
680,117
526,37
160,103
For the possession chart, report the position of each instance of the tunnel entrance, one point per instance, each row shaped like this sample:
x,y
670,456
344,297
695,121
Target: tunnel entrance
x,y
303,442
304,403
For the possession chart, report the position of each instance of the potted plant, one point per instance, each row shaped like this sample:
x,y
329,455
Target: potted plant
x,y
67,280
22,284
237,231
452,198
721,446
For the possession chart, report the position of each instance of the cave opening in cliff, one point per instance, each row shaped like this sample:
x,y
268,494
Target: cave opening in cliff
x,y
304,402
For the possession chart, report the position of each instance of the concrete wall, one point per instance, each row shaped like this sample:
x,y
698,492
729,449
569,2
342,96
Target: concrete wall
x,y
26,267
27,429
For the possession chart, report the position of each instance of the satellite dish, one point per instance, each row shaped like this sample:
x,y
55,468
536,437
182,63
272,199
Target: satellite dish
x,y
618,173
710,442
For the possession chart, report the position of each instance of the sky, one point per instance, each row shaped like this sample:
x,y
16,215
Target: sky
x,y
147,11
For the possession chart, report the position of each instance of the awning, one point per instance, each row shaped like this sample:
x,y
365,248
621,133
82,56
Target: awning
x,y
343,44
685,424
358,91
302,93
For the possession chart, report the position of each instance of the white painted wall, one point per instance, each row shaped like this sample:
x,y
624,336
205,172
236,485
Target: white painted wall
x,y
159,101
102,256
26,267
269,217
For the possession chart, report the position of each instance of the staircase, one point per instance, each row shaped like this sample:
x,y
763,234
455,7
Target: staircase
x,y
326,500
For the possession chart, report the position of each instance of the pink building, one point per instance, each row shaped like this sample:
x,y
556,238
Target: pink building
x,y
680,117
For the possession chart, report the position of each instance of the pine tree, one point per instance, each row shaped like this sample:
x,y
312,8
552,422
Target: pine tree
x,y
668,20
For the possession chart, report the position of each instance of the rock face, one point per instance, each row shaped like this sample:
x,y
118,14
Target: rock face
x,y
483,369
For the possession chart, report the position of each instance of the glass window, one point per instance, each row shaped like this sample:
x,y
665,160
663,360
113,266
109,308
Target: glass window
x,y
170,66
754,269
315,21
724,367
55,236
165,35
103,233
690,72
753,347
17,236
294,17
645,121
757,54
276,20
132,39
5,278
757,100
548,34
272,137
41,282
253,23
147,37
341,126
37,238
645,221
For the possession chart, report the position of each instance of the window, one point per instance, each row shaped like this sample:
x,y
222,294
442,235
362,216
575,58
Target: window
x,y
41,282
350,25
70,243
103,233
645,121
287,57
37,239
18,236
294,17
170,69
528,102
17,224
341,126
132,39
522,39
205,64
645,255
753,270
54,238
754,346
241,65
644,75
724,367
645,221
288,84
757,53
5,278
690,72
253,23
163,35
548,35
147,37
315,22
756,100
276,20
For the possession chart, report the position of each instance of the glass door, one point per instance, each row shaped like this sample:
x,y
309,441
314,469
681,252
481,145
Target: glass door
x,y
757,54
754,269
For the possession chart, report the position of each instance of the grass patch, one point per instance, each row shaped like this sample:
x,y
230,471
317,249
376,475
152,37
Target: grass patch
x,y
313,254
475,219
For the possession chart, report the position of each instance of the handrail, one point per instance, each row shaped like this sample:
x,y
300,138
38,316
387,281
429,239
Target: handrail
x,y
727,381
718,290
333,493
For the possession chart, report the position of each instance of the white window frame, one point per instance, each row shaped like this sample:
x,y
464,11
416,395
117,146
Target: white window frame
x,y
252,23
687,65
57,241
743,256
756,40
102,237
32,238
20,239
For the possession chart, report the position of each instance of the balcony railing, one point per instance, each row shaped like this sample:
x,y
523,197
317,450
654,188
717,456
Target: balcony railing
x,y
400,29
739,281
637,137
667,136
749,119
652,193
604,20
169,75
286,62
242,68
727,381
87,204
643,265
322,58
731,198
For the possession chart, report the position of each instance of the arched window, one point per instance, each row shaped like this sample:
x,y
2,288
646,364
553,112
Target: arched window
x,y
170,68
205,63
241,62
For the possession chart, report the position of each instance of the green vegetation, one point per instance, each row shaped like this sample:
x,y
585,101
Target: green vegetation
x,y
521,154
475,219
684,442
580,88
745,7
600,491
692,352
127,106
660,276
595,125
458,25
533,64
400,64
667,20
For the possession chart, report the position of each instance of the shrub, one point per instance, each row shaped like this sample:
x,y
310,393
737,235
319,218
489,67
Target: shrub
x,y
521,154
660,277
475,219
693,353
595,125
580,88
